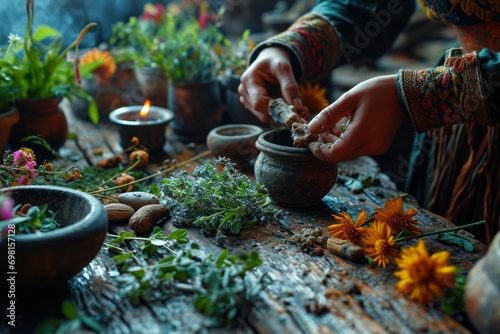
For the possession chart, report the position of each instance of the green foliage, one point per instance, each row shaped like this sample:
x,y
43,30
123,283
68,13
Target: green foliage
x,y
452,300
36,219
192,54
216,202
36,67
74,321
219,282
237,58
139,43
178,45
452,238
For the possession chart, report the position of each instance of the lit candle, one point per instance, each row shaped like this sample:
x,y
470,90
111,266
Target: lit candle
x,y
146,122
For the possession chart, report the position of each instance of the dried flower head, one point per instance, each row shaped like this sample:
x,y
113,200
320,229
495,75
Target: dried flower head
x,y
18,168
423,277
379,243
125,179
140,156
346,229
396,218
313,97
76,175
106,63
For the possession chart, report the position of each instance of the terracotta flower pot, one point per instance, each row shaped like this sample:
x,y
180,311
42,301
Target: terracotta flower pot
x,y
482,291
293,176
8,118
41,118
197,109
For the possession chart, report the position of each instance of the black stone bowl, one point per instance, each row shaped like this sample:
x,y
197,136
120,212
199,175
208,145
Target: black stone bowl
x,y
34,261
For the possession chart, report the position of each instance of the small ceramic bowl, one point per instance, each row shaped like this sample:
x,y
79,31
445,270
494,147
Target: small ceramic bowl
x,y
293,176
235,141
49,258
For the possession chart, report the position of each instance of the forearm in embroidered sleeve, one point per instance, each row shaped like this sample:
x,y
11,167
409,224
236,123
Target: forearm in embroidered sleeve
x,y
313,43
445,95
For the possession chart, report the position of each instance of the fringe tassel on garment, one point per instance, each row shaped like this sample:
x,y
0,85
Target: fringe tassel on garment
x,y
465,186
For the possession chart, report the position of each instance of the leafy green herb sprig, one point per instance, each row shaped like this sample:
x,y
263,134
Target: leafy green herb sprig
x,y
219,282
36,219
74,321
217,202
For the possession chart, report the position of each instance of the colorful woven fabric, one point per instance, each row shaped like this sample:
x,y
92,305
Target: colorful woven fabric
x,y
462,12
445,95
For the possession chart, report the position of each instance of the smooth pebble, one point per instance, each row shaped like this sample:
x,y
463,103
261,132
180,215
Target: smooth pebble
x,y
137,199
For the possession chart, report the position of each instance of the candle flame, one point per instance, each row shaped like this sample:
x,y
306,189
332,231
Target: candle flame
x,y
145,109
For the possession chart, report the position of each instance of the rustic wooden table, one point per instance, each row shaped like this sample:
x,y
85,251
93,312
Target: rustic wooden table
x,y
303,292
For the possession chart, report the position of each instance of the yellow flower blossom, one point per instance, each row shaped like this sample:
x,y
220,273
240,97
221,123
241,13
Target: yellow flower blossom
x,y
379,243
396,218
423,277
313,97
346,229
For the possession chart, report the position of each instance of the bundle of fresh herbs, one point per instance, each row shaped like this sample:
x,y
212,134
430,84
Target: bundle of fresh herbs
x,y
216,201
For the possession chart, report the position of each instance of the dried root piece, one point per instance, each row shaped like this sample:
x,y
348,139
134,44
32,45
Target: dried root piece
x,y
287,114
345,249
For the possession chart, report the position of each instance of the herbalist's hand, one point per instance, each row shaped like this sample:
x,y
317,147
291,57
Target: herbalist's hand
x,y
374,113
271,69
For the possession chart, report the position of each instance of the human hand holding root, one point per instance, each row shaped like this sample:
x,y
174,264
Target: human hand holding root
x,y
271,70
375,114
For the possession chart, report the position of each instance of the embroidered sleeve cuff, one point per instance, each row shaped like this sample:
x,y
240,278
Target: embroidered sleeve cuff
x,y
445,95
313,45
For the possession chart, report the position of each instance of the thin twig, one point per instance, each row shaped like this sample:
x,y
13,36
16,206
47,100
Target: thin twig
x,y
158,173
440,231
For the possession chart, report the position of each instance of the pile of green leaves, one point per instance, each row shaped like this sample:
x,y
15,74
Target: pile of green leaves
x,y
215,201
36,219
219,282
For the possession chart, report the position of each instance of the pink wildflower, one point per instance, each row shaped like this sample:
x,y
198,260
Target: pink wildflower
x,y
23,180
6,205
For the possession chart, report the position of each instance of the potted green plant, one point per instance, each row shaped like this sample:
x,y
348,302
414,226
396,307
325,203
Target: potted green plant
x,y
39,76
139,42
194,58
190,54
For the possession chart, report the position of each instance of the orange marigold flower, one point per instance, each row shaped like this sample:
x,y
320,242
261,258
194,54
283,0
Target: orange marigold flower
x,y
346,229
107,63
423,277
393,215
313,97
379,243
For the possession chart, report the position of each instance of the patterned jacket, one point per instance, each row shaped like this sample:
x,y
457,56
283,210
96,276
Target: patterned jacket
x,y
464,89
